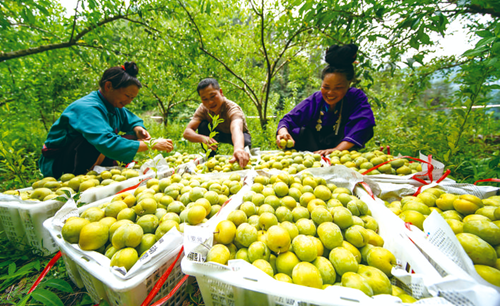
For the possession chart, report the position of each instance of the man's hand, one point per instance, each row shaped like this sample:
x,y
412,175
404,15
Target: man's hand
x,y
211,143
141,133
283,135
241,156
164,145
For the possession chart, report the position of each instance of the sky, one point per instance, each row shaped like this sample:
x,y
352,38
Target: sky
x,y
455,41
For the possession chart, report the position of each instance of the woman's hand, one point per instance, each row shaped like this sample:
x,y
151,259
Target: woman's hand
x,y
283,135
164,145
344,145
141,133
325,152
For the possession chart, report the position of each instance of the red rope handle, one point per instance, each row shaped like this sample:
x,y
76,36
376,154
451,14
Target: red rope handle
x,y
488,180
407,225
368,189
430,164
388,148
161,281
419,189
327,160
51,263
132,187
430,168
444,176
126,166
179,284
228,200
438,181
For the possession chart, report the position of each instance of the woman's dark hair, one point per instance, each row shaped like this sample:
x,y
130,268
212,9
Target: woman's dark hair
x,y
207,82
340,59
121,76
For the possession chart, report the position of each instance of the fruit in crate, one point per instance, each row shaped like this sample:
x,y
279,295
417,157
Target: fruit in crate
x,y
474,221
49,188
220,163
126,227
361,162
289,161
306,231
179,159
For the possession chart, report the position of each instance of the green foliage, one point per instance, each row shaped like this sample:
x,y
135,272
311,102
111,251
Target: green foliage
x,y
17,166
411,124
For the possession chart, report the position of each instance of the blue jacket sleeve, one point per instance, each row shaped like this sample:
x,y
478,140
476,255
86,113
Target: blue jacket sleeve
x,y
92,123
298,117
129,121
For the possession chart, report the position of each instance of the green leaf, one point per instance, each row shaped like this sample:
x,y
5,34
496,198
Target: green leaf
x,y
42,9
58,284
446,156
12,268
410,62
495,48
484,33
23,301
485,41
414,42
208,8
46,297
5,263
474,52
494,162
92,4
28,15
67,193
451,145
419,58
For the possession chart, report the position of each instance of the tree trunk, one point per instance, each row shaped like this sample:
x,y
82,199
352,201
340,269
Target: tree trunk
x,y
262,118
165,118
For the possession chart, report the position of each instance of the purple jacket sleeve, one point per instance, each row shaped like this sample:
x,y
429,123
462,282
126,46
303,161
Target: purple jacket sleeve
x,y
359,127
298,117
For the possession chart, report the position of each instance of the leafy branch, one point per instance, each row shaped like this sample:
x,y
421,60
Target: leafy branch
x,y
213,132
74,40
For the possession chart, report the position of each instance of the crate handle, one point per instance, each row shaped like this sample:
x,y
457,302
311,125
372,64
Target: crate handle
x,y
488,180
161,281
51,263
179,284
132,187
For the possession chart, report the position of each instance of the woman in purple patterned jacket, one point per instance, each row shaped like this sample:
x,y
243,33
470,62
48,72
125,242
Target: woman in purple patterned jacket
x,y
338,117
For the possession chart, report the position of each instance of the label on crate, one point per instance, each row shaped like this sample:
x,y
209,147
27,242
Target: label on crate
x,y
195,256
280,300
440,235
413,284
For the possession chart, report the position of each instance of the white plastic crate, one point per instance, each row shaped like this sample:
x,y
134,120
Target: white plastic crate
x,y
437,173
23,220
457,281
102,284
12,225
72,270
240,283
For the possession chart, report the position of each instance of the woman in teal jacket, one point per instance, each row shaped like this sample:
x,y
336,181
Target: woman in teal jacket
x,y
86,134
